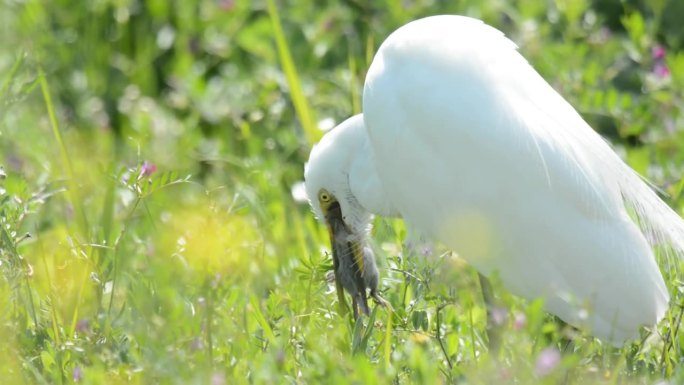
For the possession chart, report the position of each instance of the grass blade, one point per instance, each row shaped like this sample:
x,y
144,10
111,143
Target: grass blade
x,y
304,112
66,162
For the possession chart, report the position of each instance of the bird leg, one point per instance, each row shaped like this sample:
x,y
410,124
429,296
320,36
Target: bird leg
x,y
343,307
493,331
355,307
359,301
380,301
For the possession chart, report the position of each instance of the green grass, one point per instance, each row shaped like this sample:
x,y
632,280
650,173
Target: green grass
x,y
207,270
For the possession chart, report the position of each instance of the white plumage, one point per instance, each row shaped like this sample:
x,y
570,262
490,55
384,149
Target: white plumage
x,y
462,138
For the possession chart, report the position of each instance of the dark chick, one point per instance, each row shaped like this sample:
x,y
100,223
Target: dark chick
x,y
354,264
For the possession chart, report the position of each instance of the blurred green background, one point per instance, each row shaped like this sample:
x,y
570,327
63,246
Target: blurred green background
x,y
153,153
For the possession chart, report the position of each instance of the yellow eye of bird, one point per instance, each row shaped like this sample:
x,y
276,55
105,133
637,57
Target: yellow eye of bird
x,y
324,196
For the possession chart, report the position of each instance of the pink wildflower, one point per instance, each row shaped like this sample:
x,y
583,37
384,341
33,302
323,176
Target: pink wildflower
x,y
499,315
226,5
547,361
77,374
519,321
147,169
661,70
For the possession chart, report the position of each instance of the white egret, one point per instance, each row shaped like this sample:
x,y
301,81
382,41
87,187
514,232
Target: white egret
x,y
465,141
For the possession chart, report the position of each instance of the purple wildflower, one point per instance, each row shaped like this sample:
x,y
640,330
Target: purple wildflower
x,y
147,169
218,378
227,5
499,315
658,52
660,70
83,326
77,374
547,361
519,321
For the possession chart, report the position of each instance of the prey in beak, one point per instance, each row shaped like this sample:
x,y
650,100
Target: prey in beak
x,y
353,261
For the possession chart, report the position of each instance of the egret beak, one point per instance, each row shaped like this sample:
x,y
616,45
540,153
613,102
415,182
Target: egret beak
x,y
347,255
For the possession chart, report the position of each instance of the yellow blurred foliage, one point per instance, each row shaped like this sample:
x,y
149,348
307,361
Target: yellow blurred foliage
x,y
210,241
60,272
10,365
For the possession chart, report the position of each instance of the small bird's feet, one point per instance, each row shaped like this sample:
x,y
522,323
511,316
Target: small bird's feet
x,y
381,301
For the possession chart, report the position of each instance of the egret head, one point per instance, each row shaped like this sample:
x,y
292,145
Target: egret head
x,y
329,169
328,174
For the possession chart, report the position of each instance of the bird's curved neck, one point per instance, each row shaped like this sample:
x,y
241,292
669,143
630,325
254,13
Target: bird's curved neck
x,y
365,182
